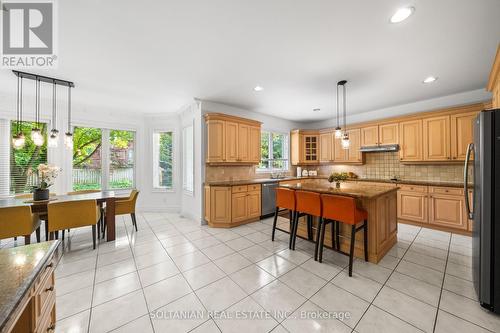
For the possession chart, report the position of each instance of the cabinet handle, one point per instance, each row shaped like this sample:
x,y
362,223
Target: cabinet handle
x,y
50,288
50,265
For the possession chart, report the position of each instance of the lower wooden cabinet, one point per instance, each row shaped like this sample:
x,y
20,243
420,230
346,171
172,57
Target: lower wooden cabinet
x,y
412,206
448,211
228,206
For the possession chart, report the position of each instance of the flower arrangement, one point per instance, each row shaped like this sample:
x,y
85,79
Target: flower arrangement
x,y
47,174
338,177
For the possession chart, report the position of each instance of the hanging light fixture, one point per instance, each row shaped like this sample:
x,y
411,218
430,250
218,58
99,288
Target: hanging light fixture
x,y
36,133
68,138
338,129
54,133
345,137
18,140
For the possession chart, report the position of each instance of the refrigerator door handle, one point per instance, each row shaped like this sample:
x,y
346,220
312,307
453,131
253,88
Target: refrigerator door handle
x,y
470,148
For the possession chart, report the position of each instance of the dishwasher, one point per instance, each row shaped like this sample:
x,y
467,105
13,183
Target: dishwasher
x,y
268,198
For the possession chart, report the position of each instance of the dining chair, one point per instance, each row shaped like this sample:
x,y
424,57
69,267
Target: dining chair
x,y
42,216
127,206
101,208
73,214
285,200
308,204
19,221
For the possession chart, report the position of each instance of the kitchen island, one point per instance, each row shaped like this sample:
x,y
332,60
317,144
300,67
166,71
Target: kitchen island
x,y
381,204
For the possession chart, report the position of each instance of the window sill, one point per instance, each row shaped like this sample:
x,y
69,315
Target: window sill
x,y
163,190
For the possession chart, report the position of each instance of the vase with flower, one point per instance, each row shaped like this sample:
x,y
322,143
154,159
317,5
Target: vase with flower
x,y
47,174
338,177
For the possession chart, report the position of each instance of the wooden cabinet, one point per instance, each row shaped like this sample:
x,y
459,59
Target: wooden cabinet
x,y
228,206
494,81
448,211
326,147
437,138
232,140
311,148
410,133
353,153
305,147
340,154
412,206
462,134
369,136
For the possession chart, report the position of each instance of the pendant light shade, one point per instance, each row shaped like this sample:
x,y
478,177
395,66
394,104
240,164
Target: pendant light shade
x,y
68,137
36,133
18,140
54,133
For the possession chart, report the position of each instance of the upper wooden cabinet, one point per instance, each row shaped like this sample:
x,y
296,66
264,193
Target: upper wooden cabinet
x,y
462,134
494,81
437,138
410,140
232,140
305,147
383,134
353,153
326,147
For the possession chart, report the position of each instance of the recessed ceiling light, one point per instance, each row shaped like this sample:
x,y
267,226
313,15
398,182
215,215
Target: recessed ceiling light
x,y
316,110
430,79
402,14
258,88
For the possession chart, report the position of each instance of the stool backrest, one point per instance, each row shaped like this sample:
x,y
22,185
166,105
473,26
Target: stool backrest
x,y
339,208
285,198
308,202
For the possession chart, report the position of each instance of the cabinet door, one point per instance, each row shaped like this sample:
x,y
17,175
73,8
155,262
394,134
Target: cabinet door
x,y
388,134
254,204
462,126
231,141
369,136
216,142
239,208
243,143
353,153
448,211
411,140
220,204
325,147
254,144
295,148
412,206
437,138
311,148
340,153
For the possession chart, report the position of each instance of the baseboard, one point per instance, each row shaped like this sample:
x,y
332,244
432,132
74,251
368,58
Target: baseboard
x,y
159,209
192,216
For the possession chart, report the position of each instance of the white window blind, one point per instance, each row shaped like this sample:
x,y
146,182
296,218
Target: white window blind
x,y
24,162
188,159
4,157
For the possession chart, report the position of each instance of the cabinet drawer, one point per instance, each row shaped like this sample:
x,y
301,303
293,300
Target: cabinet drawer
x,y
413,188
45,295
446,190
240,188
255,187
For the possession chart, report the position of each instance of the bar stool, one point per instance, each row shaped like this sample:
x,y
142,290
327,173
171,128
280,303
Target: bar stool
x,y
308,203
285,199
342,209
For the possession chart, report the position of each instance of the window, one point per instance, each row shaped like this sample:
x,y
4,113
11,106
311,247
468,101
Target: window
x,y
163,160
274,151
24,162
188,159
103,159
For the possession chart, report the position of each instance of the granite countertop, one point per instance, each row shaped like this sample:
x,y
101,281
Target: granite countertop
x,y
19,268
388,181
346,189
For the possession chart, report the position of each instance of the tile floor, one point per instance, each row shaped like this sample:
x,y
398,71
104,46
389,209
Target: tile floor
x,y
217,278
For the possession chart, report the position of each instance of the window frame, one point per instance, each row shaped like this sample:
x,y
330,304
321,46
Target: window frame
x,y
286,150
188,191
155,188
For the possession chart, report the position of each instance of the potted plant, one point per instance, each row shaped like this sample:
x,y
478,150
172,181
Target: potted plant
x,y
47,174
338,177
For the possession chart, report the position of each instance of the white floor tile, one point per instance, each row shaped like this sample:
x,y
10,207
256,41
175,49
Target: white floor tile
x,y
220,295
376,320
252,278
114,288
201,276
166,291
303,281
308,319
278,299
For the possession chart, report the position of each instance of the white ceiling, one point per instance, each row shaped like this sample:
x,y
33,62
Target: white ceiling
x,y
155,56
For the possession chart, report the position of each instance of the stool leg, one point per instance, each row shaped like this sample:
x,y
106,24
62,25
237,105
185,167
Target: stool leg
x,y
295,227
93,235
366,239
46,230
316,248
351,252
309,227
27,239
322,241
333,235
275,220
337,235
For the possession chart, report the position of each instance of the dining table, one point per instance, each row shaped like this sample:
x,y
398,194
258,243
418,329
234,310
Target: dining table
x,y
104,197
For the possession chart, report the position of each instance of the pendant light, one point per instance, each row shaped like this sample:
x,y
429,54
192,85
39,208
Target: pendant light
x,y
68,138
54,133
19,140
36,133
338,130
345,138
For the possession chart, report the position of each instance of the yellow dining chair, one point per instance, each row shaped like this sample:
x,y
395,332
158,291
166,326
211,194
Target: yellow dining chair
x,y
19,221
127,206
100,223
73,214
42,216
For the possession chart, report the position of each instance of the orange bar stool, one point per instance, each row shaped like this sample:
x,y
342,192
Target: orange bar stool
x,y
342,209
308,203
285,200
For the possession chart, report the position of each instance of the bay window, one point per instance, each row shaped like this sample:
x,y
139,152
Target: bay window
x,y
163,159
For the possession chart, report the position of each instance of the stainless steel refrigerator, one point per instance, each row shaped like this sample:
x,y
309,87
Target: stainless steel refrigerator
x,y
484,157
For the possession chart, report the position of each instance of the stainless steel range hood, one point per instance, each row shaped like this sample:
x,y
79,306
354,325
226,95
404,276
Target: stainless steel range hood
x,y
379,149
